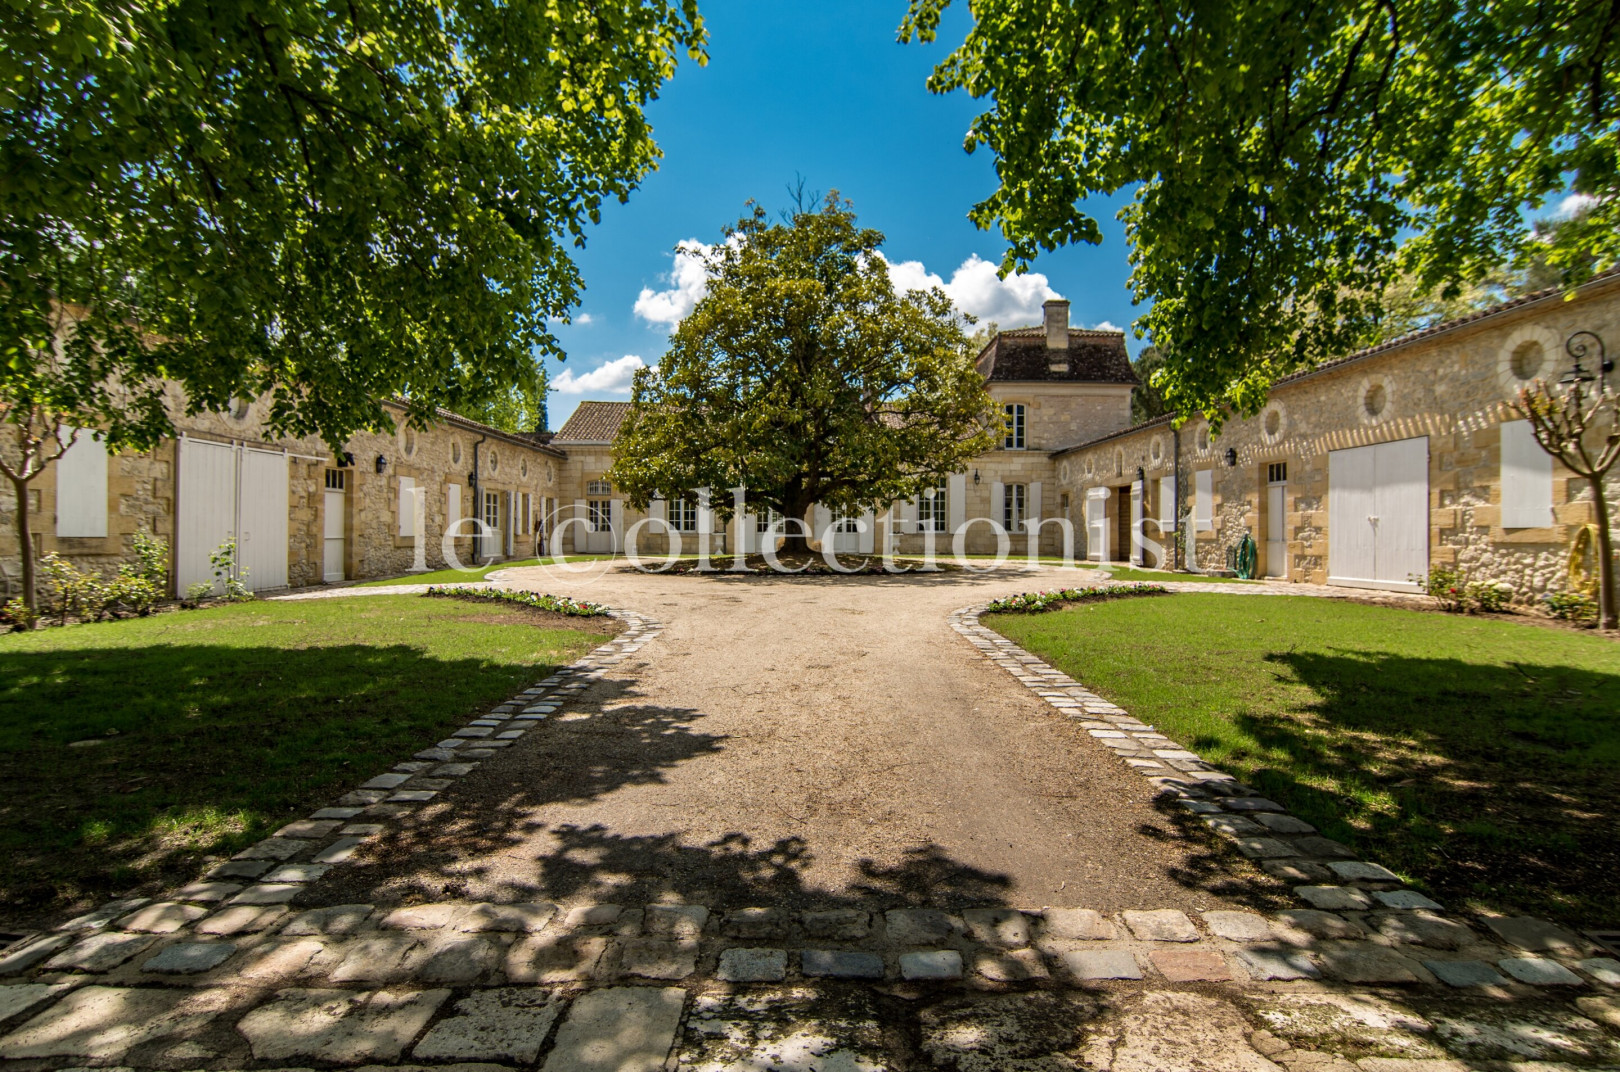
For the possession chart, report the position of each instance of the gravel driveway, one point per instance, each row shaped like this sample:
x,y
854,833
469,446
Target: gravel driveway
x,y
811,742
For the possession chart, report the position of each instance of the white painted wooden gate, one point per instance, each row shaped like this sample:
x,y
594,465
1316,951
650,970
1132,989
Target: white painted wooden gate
x,y
230,491
1378,515
332,523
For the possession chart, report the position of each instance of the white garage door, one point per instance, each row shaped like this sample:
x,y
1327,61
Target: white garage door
x,y
226,490
1378,515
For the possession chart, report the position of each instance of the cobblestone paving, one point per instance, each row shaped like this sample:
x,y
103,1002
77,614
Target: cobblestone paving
x,y
229,973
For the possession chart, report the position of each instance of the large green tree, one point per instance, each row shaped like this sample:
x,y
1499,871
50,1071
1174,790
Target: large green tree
x,y
334,202
802,376
1290,158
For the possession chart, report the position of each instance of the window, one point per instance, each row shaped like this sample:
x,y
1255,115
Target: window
x,y
1014,439
599,515
844,521
683,514
492,510
598,489
1276,472
1012,507
334,480
764,521
932,507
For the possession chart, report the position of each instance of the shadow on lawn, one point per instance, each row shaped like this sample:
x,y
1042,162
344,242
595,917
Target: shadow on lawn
x,y
197,749
1482,781
485,842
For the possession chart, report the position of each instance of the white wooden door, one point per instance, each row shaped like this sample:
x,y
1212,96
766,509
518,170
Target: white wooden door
x,y
1276,530
262,509
1136,522
1378,514
206,512
332,532
1097,524
1401,504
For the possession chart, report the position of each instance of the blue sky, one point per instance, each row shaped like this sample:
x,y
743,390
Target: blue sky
x,y
824,91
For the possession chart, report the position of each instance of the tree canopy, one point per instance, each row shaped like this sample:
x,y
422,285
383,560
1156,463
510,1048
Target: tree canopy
x,y
802,376
1289,159
335,203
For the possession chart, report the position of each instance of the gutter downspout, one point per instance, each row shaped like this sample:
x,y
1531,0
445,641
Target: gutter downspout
x,y
1179,554
478,500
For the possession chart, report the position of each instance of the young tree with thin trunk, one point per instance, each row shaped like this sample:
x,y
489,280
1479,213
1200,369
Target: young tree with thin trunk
x,y
1579,424
803,377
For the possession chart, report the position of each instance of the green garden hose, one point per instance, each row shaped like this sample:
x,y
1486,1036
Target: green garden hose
x,y
1247,557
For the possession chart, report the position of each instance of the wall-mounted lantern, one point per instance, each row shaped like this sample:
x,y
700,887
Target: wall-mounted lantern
x,y
1231,455
1577,347
975,476
382,464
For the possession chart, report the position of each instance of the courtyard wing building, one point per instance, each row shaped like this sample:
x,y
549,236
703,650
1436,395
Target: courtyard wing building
x,y
1366,471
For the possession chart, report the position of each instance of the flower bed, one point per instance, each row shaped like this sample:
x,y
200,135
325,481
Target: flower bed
x,y
1035,602
575,608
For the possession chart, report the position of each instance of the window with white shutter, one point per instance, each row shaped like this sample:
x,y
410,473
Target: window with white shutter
x,y
1527,498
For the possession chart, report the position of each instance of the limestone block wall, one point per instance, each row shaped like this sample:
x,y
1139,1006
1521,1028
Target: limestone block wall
x,y
1059,415
1452,387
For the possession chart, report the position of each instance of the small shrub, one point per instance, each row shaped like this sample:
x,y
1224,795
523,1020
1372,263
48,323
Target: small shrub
x,y
19,615
1036,602
71,592
576,608
1458,595
227,576
1571,606
198,591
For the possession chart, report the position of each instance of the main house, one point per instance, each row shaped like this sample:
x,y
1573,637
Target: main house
x,y
1365,471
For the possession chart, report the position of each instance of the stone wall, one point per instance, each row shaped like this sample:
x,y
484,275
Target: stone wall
x,y
142,495
1451,386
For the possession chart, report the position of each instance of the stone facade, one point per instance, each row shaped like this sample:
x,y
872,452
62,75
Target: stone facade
x,y
1450,384
142,495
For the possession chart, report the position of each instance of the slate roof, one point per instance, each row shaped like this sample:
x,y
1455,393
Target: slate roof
x,y
593,422
1021,354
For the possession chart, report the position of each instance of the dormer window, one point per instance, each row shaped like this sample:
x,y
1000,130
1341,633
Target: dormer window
x,y
1014,437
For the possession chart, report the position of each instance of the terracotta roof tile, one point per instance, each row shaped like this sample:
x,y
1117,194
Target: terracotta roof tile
x,y
1021,354
593,422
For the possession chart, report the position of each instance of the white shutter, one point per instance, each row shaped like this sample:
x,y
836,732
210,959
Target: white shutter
x,y
452,504
1167,503
865,542
1526,479
81,488
658,508
1097,524
820,523
998,502
1136,523
1203,500
956,500
1032,507
705,515
908,516
407,507
616,519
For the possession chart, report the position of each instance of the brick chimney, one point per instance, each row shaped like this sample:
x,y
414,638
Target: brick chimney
x,y
1057,334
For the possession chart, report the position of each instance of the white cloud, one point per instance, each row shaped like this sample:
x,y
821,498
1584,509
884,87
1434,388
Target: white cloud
x,y
1105,325
975,288
689,279
612,378
1573,205
584,318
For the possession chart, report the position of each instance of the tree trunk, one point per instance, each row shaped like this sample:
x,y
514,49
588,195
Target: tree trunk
x,y
796,537
1606,595
25,543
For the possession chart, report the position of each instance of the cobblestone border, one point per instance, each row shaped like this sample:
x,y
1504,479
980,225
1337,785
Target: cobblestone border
x,y
1324,873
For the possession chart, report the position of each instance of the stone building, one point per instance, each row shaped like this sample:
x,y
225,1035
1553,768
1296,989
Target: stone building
x,y
301,514
1366,471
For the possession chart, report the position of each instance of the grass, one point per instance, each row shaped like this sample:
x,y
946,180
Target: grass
x,y
1480,759
212,728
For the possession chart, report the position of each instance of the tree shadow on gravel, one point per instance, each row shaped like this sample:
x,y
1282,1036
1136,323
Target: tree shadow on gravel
x,y
465,845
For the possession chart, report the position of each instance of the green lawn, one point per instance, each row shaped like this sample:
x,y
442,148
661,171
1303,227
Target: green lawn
x,y
214,727
1479,759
